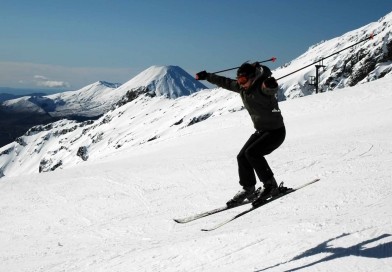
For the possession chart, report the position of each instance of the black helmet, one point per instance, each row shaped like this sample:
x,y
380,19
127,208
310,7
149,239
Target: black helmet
x,y
247,70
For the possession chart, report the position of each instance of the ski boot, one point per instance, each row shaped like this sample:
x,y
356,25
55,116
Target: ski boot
x,y
249,193
271,192
271,189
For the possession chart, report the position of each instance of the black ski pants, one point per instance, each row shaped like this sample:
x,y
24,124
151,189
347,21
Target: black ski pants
x,y
251,157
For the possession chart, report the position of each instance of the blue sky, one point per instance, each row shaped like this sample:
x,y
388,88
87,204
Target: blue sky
x,y
72,43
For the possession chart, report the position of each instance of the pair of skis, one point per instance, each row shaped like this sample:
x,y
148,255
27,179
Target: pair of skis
x,y
224,208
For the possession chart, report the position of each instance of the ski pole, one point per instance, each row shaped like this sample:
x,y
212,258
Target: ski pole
x,y
368,38
273,59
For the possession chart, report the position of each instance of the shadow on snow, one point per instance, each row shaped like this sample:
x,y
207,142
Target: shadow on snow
x,y
383,250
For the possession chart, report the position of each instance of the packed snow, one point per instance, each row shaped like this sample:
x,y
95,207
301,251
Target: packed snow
x,y
115,212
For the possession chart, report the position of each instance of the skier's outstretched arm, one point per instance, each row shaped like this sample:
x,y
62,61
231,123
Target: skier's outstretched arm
x,y
220,81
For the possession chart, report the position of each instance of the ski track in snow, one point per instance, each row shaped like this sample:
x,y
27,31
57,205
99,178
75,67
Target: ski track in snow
x,y
116,214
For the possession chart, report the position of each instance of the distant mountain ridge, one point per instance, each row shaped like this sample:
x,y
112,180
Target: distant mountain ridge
x,y
19,92
8,96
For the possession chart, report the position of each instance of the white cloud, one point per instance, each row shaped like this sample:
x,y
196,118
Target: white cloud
x,y
53,84
25,75
43,81
40,77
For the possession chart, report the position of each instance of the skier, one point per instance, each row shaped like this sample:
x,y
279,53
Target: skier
x,y
257,89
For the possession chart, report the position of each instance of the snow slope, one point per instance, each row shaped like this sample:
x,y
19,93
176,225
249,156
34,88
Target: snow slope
x,y
115,213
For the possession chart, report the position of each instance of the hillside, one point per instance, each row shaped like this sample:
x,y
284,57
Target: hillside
x,y
364,62
115,213
66,143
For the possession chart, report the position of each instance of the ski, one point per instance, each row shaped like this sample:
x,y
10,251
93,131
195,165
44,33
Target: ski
x,y
211,212
254,208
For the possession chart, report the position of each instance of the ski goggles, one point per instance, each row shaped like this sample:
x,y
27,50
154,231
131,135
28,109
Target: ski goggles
x,y
241,79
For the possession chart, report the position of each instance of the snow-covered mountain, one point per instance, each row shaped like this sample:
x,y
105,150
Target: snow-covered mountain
x,y
88,101
366,61
99,97
169,81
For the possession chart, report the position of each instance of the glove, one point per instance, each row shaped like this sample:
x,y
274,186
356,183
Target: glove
x,y
201,75
270,83
269,86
